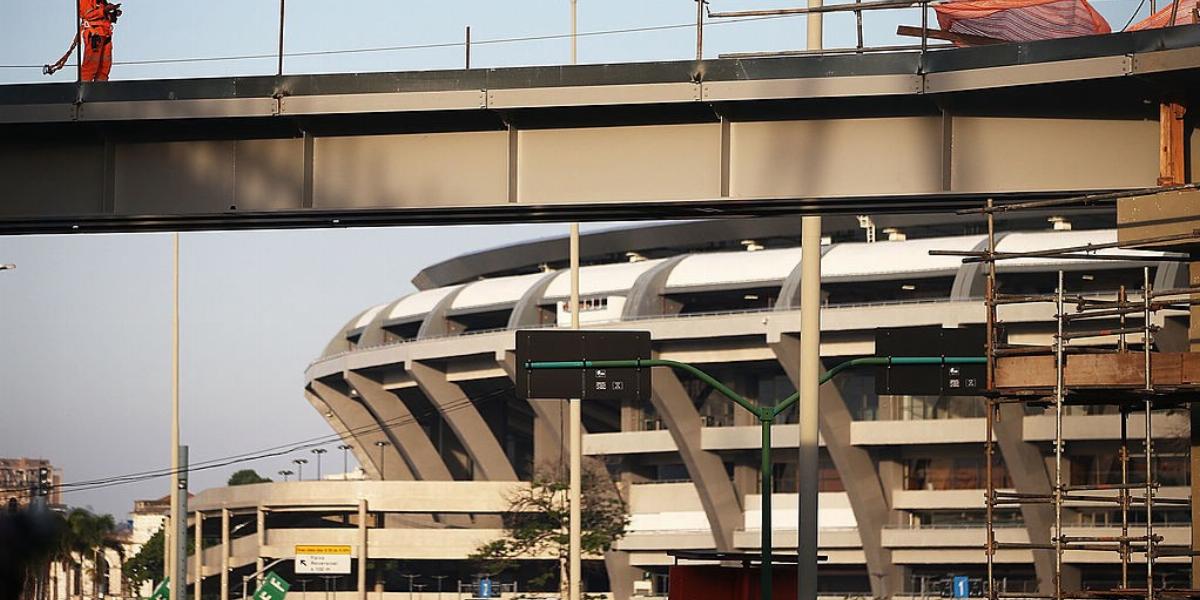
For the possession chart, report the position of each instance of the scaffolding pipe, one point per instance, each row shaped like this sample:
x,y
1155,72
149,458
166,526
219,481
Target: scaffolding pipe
x,y
779,12
1059,393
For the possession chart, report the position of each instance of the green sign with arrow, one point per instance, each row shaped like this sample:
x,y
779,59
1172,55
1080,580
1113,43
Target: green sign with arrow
x,y
273,587
162,592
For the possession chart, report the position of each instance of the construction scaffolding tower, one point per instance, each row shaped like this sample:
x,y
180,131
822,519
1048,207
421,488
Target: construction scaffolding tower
x,y
1120,366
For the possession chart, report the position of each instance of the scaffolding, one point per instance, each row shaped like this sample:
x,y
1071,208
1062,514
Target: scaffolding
x,y
1120,327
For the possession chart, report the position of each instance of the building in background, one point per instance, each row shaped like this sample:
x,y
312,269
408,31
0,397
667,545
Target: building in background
x,y
421,390
19,479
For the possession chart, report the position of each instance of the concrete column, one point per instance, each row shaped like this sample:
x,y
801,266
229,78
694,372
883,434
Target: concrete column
x,y
1027,467
362,549
858,470
198,576
402,428
226,552
466,422
261,533
365,431
706,469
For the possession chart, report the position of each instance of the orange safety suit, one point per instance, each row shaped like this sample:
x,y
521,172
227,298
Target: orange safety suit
x,y
96,37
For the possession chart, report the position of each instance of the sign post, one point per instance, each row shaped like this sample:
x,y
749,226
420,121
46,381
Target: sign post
x,y
322,559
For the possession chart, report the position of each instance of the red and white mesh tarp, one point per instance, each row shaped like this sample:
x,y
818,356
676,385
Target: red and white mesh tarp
x,y
1021,20
1185,14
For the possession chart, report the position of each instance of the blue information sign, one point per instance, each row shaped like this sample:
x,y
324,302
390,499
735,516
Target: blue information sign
x,y
485,588
962,586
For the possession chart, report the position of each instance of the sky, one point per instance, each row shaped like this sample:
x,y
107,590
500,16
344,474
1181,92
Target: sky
x,y
85,320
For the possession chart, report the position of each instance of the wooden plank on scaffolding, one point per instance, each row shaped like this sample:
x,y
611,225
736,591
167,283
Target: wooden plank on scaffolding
x,y
962,39
1093,371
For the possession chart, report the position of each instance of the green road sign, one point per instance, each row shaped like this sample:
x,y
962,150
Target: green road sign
x,y
162,592
273,587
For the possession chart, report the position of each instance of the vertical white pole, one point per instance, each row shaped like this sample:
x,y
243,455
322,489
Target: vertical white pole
x,y
575,558
176,585
575,411
574,32
810,373
225,554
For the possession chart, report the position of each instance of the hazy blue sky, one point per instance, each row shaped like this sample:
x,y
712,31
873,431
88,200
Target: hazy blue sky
x,y
84,320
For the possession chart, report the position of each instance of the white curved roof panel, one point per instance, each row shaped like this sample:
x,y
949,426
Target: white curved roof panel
x,y
369,315
862,260
490,292
1050,240
419,303
599,279
724,268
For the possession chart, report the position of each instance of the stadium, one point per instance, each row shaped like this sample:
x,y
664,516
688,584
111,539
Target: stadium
x,y
421,391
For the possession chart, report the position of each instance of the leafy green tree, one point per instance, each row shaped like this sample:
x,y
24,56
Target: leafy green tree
x,y
147,564
538,519
247,477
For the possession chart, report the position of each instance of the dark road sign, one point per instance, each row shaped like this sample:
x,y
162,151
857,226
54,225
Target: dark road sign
x,y
591,383
934,379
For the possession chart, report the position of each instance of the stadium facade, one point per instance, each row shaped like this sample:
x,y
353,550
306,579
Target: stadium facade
x,y
421,390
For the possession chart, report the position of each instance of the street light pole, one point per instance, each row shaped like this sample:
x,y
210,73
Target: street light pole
x,y
345,448
178,546
285,474
319,452
300,462
381,445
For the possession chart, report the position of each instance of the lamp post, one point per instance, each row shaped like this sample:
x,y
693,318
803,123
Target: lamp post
x,y
345,448
7,267
285,474
319,452
300,462
381,445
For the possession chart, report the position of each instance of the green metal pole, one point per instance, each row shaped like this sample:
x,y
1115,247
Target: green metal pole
x,y
766,417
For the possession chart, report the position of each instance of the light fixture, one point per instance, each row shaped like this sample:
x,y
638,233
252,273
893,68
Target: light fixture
x,y
826,240
1059,223
1088,277
751,245
894,234
634,257
750,297
908,287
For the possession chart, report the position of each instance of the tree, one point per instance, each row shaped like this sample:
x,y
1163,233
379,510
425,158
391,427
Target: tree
x,y
247,477
538,519
147,564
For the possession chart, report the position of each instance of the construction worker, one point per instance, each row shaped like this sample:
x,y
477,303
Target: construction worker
x,y
95,31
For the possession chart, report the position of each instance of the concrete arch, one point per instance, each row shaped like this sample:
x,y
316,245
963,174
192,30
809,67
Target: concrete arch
x,y
789,291
365,431
706,469
1027,467
335,421
525,311
971,279
435,323
468,425
859,472
646,297
401,427
373,334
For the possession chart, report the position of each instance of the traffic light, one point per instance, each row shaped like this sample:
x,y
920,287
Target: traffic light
x,y
43,481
